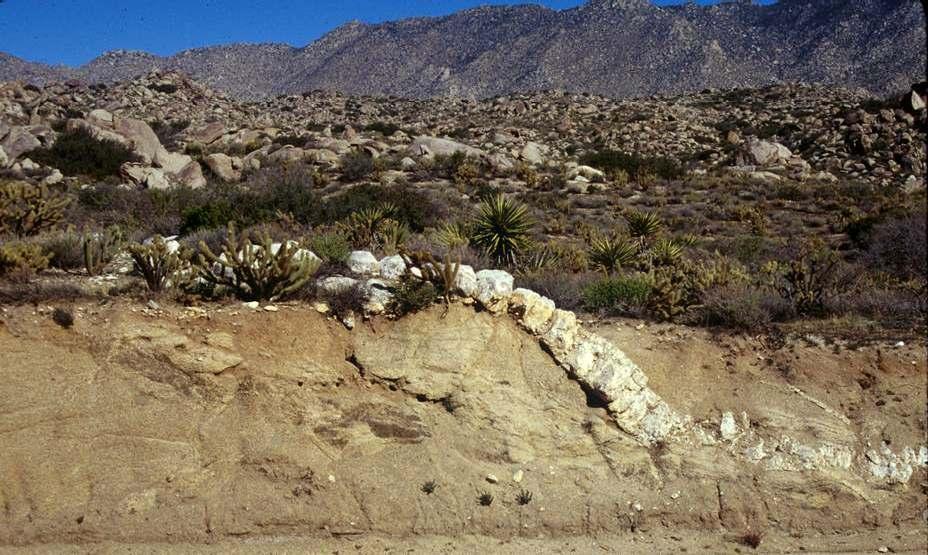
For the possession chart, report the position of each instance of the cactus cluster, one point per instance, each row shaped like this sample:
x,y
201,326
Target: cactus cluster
x,y
99,248
157,262
27,209
256,270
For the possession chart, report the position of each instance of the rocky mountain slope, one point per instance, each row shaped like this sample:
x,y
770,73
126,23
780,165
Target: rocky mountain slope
x,y
611,47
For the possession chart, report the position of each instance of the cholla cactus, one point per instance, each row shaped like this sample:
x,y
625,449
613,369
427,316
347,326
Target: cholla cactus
x,y
157,262
100,247
27,209
256,271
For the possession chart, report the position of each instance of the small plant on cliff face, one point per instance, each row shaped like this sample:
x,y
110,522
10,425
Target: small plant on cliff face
x,y
256,270
63,318
502,228
19,261
524,497
429,487
751,538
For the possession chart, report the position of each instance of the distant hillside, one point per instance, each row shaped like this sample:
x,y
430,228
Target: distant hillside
x,y
612,47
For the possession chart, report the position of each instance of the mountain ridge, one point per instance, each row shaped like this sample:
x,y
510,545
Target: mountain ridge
x,y
618,48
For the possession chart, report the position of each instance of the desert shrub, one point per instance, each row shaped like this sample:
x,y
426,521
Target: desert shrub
x,y
412,295
77,152
502,228
168,132
64,247
20,260
564,288
897,246
209,216
27,209
808,276
150,210
290,140
356,166
384,128
744,307
255,271
156,262
345,301
618,293
613,162
15,292
331,247
410,206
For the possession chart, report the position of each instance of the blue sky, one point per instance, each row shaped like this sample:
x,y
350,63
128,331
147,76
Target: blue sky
x,y
75,31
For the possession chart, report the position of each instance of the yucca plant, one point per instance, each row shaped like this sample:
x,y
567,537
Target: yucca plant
x,y
665,252
609,254
157,262
362,227
502,228
391,236
453,235
643,225
254,271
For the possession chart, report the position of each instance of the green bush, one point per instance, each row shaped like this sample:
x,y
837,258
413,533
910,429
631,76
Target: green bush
x,y
332,248
617,294
743,307
384,128
410,206
413,295
356,166
613,162
21,260
77,152
64,247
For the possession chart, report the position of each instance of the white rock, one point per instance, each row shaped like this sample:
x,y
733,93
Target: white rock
x,y
494,288
363,262
336,284
379,297
492,479
532,153
466,281
533,311
270,308
4,159
562,335
728,428
251,304
517,476
392,267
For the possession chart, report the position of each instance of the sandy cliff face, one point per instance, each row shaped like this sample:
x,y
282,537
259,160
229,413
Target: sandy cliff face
x,y
194,426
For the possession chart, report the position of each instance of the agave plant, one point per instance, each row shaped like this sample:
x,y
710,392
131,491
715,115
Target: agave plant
x,y
502,228
609,254
643,225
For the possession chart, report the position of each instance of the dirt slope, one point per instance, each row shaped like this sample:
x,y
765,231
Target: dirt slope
x,y
236,427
